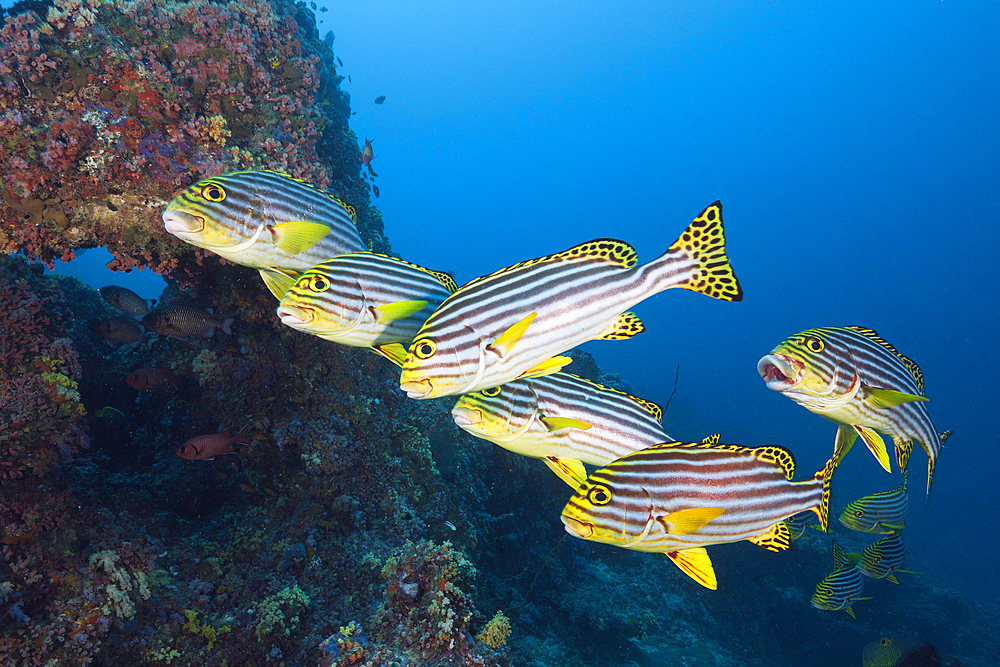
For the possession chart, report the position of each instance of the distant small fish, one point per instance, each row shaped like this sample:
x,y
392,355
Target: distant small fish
x,y
108,412
126,301
890,652
380,99
329,37
118,330
207,447
842,587
449,525
881,512
148,379
367,155
375,190
339,61
799,523
184,321
348,81
881,559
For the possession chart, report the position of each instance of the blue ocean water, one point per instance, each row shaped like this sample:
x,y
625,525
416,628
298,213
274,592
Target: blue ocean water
x,y
853,147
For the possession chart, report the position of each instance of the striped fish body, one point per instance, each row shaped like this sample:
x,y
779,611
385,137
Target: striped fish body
x,y
183,321
884,557
126,301
364,299
512,323
841,588
799,524
657,499
263,219
854,378
881,512
562,419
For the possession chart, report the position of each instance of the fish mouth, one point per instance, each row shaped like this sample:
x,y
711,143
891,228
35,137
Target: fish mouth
x,y
179,222
779,372
578,528
466,417
294,316
416,388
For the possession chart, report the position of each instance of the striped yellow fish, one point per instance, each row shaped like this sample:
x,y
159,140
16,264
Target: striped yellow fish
x,y
678,498
881,512
854,378
510,324
562,419
264,219
842,587
884,557
365,300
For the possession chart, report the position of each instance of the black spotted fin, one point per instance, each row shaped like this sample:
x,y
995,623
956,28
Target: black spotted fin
x,y
704,242
776,538
624,326
696,564
779,456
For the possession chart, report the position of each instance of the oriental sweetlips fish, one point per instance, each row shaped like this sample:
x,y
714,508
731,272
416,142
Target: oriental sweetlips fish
x,y
365,300
510,324
207,447
881,512
184,321
842,587
266,220
881,559
562,419
799,524
854,378
127,301
118,330
889,652
678,498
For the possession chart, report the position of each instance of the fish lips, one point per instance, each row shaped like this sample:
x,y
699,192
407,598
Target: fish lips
x,y
466,418
180,222
416,388
577,528
779,372
294,316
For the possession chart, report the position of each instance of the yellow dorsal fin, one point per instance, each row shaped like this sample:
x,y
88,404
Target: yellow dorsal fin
x,y
506,341
445,279
713,439
685,522
911,365
876,445
547,367
779,456
298,236
556,423
889,398
278,281
696,564
624,326
394,352
775,538
400,310
570,471
704,242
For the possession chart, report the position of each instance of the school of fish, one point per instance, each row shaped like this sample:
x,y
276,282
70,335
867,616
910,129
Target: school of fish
x,y
499,343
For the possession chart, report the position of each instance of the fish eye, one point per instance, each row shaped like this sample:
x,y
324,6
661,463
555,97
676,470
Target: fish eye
x,y
599,495
859,513
815,345
424,349
214,192
492,391
319,284
885,641
878,559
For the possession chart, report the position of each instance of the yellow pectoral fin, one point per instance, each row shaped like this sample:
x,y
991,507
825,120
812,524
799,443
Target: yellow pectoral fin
x,y
696,564
851,612
278,281
296,237
685,522
400,310
875,444
547,367
394,352
775,538
556,423
891,578
570,471
889,398
508,339
624,326
846,436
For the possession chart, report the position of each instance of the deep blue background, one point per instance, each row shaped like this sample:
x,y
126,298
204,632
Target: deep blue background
x,y
853,145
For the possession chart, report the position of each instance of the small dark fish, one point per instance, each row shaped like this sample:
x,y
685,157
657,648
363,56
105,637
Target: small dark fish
x,y
153,378
375,190
349,81
183,321
339,61
329,37
127,301
890,652
118,330
207,447
380,99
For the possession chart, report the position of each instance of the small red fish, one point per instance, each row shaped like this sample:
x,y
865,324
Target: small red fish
x,y
153,378
367,155
207,447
